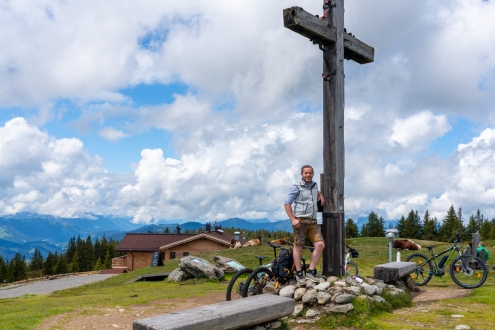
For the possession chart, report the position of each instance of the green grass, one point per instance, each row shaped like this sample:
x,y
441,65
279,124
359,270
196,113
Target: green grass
x,y
30,311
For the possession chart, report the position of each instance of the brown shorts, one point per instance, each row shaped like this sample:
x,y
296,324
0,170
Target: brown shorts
x,y
308,228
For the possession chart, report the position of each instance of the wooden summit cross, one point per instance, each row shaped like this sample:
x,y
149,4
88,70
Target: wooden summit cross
x,y
329,34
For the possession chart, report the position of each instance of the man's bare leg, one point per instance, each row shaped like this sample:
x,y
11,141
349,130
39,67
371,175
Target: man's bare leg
x,y
296,255
315,257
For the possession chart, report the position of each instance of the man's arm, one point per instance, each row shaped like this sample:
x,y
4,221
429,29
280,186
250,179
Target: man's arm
x,y
290,214
321,198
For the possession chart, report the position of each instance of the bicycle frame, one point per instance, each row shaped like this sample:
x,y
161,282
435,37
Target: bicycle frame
x,y
454,248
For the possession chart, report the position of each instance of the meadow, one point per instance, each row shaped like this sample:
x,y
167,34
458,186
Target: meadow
x,y
476,309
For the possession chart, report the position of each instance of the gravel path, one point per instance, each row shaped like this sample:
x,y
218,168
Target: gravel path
x,y
49,286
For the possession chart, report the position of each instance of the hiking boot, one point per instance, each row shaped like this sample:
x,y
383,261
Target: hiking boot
x,y
301,281
311,276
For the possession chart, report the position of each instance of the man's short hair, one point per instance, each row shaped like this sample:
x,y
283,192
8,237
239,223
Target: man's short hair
x,y
307,166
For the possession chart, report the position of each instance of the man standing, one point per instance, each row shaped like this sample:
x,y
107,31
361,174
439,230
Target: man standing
x,y
305,195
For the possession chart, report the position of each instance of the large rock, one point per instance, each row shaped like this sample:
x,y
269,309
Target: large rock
x,y
198,267
228,265
299,293
368,289
323,297
309,297
339,309
343,298
288,291
178,275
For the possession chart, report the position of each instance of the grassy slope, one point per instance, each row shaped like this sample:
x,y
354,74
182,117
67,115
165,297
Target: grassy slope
x,y
28,311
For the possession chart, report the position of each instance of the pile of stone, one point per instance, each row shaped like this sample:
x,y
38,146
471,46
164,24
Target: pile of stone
x,y
333,295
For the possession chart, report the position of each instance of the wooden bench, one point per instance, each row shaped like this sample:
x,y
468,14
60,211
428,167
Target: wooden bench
x,y
234,314
393,270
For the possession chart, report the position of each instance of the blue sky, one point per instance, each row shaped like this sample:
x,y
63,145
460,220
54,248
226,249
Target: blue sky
x,y
180,110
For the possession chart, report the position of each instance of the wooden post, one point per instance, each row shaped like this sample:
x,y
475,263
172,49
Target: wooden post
x,y
336,46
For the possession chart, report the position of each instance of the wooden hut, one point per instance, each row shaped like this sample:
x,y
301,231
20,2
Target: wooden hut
x,y
140,247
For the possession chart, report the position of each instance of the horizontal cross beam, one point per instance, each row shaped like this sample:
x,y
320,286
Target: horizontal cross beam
x,y
310,26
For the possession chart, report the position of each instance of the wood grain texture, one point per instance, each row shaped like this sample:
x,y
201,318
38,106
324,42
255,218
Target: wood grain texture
x,y
310,26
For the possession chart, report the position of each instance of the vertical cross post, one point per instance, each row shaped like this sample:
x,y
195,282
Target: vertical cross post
x,y
328,32
333,142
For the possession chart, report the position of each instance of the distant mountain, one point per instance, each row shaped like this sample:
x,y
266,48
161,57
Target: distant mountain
x,y
9,249
24,232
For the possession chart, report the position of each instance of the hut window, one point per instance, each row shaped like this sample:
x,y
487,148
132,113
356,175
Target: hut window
x,y
185,254
172,255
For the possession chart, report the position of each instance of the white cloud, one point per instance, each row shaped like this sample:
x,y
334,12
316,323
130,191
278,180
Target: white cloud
x,y
112,134
419,130
251,115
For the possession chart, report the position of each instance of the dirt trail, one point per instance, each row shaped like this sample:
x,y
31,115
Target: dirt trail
x,y
122,317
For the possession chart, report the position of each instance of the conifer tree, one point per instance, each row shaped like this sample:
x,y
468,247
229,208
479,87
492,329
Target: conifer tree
x,y
17,268
75,262
400,226
71,248
450,225
36,260
472,226
61,267
430,231
49,264
3,271
351,229
412,226
479,218
486,229
374,227
108,261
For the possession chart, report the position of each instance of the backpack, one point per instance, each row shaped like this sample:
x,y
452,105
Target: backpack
x,y
282,265
354,253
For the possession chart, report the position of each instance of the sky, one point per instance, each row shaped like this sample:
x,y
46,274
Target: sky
x,y
206,110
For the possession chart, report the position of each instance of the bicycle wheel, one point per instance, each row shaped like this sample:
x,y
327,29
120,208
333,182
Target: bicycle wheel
x,y
256,282
424,269
468,271
351,269
235,290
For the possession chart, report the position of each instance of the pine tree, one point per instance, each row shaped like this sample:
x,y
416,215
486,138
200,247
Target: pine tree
x,y
166,231
451,225
486,229
400,226
412,226
108,261
430,231
492,229
375,227
75,262
479,218
71,248
96,250
17,268
61,267
49,264
472,226
98,265
3,271
351,229
36,260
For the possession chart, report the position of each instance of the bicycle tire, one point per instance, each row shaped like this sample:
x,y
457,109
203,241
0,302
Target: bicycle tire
x,y
256,282
351,269
421,261
468,272
235,290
